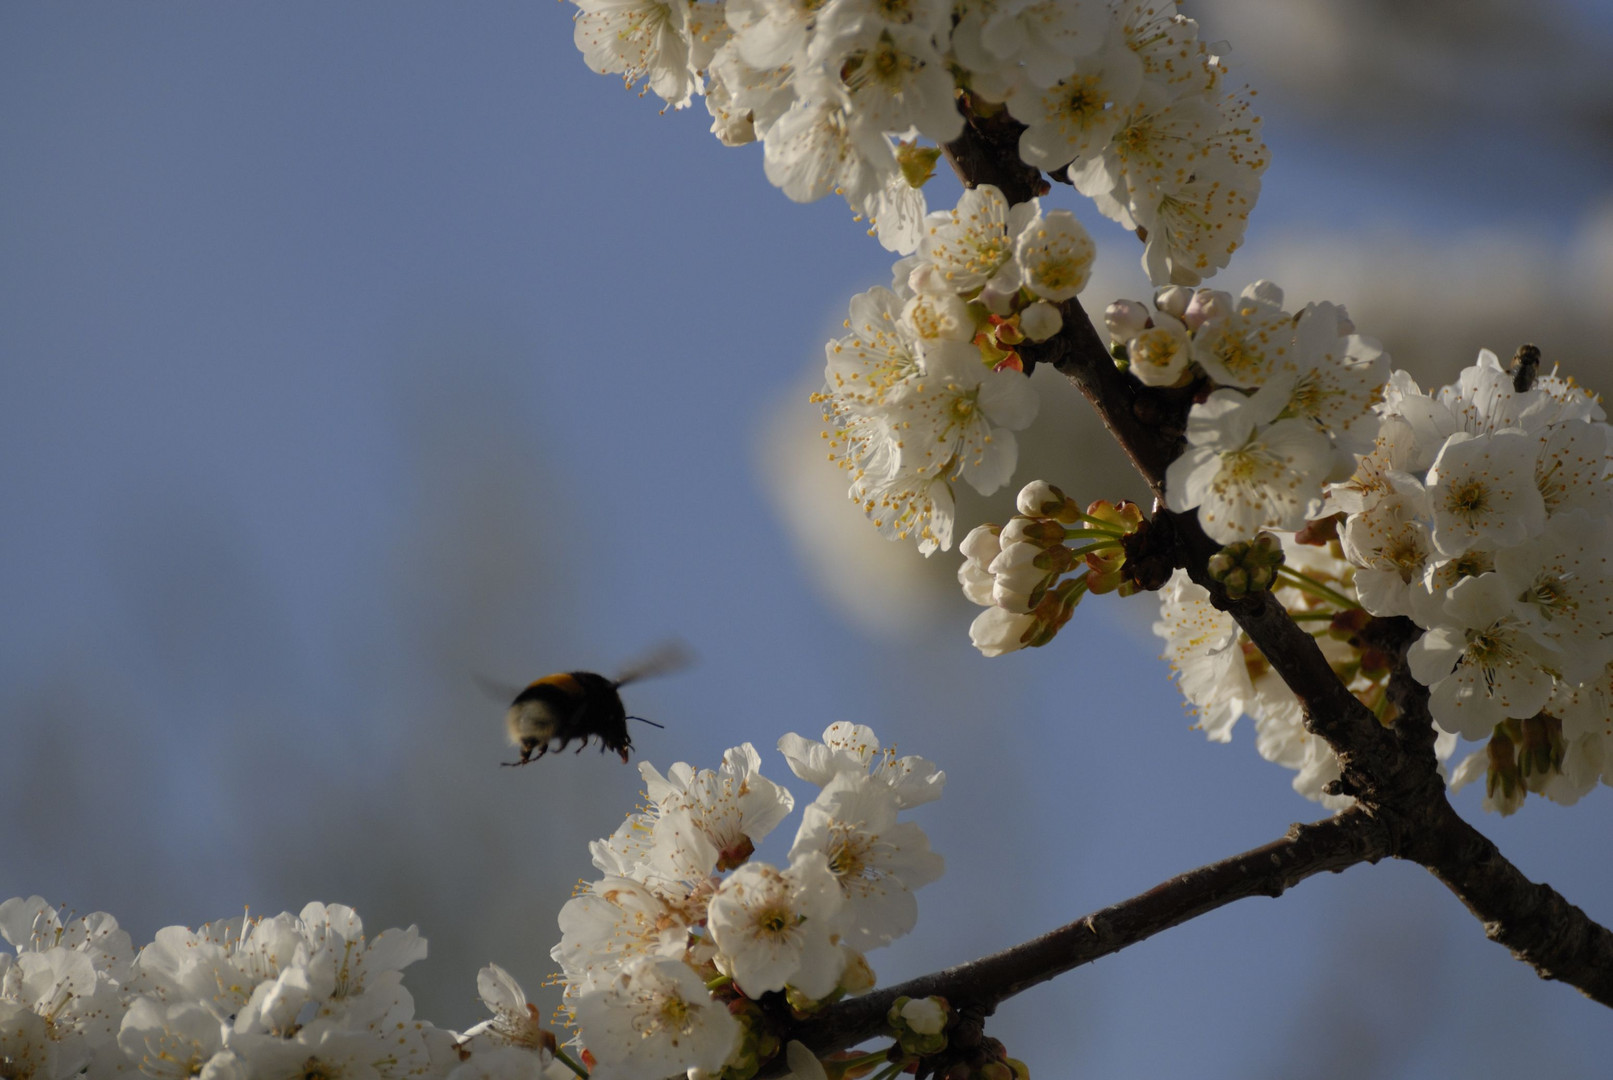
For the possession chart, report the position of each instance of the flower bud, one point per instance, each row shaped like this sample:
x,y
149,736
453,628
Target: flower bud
x,y
1208,306
996,631
977,583
1041,321
1019,603
927,1016
1041,499
1125,319
1173,300
1247,565
982,544
1263,292
1043,532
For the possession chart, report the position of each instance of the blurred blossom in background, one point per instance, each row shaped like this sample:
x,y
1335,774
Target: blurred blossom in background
x,y
355,355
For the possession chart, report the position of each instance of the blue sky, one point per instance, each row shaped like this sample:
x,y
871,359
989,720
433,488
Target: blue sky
x,y
348,353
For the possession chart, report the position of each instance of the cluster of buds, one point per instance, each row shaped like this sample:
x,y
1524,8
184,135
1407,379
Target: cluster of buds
x,y
920,1024
1248,565
1157,345
1018,571
999,338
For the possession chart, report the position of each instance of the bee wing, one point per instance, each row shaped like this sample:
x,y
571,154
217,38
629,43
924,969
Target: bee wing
x,y
667,657
498,691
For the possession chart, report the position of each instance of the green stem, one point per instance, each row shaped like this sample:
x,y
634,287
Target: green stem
x,y
1101,545
1309,584
1087,534
1098,523
719,982
565,1059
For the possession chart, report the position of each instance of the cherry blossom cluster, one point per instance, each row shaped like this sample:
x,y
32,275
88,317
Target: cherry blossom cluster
x,y
1224,677
667,958
1017,571
1119,97
927,387
1289,404
246,998
1484,512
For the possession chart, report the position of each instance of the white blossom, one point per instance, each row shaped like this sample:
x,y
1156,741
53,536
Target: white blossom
x,y
1484,662
774,927
876,860
654,1018
1243,474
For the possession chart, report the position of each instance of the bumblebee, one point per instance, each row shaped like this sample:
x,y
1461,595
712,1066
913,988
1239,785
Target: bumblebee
x,y
575,705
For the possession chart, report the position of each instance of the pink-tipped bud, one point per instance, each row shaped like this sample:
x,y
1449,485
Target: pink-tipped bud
x,y
1208,306
1125,319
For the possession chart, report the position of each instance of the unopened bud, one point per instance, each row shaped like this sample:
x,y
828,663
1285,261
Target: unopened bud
x,y
1043,532
1208,306
1041,499
1247,565
1173,300
995,631
1125,319
983,544
927,1016
1264,292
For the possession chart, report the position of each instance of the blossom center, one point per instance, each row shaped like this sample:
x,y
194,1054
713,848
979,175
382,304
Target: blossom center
x,y
1468,499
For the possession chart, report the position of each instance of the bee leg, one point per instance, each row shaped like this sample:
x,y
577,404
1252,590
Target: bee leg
x,y
624,756
582,746
526,757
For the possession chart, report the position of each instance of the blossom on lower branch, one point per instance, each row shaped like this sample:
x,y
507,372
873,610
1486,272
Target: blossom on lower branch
x,y
664,961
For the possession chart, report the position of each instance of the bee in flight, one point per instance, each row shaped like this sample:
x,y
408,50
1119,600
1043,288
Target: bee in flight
x,y
574,705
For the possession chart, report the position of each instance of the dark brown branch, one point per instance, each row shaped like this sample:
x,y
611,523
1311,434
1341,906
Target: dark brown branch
x,y
1391,771
977,987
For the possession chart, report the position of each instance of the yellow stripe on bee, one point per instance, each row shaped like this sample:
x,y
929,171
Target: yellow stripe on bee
x,y
562,680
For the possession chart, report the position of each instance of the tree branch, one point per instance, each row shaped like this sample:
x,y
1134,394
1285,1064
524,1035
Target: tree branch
x,y
977,987
1391,771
